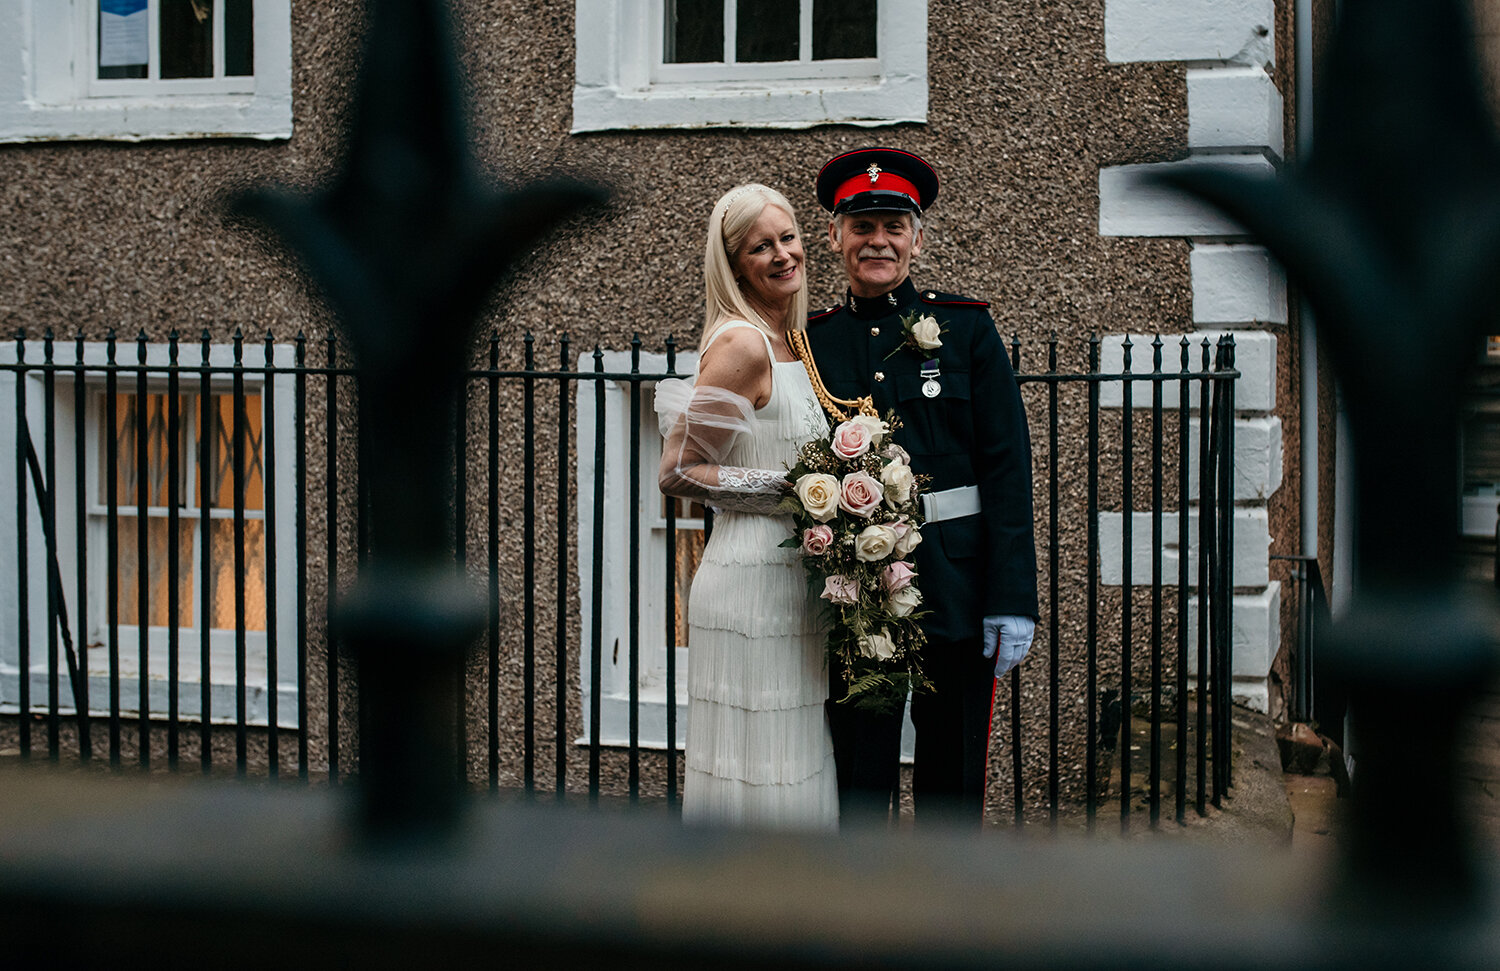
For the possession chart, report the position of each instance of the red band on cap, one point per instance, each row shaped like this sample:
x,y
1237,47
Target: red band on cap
x,y
883,181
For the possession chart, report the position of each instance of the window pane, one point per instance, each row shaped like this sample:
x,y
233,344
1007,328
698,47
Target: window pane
x,y
216,445
767,30
221,586
129,480
843,28
128,566
187,35
239,38
694,31
123,39
689,555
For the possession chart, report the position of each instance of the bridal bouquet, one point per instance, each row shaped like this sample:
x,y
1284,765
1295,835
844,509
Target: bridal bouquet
x,y
855,503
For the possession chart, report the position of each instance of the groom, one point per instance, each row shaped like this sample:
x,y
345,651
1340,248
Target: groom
x,y
963,423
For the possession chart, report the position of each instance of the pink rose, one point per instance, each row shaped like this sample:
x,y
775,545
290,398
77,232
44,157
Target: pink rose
x,y
851,440
816,540
860,494
896,576
841,590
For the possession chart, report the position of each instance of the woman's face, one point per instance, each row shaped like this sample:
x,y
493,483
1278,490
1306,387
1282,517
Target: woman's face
x,y
769,263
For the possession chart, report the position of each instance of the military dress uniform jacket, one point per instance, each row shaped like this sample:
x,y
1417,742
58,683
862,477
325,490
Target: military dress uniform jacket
x,y
973,432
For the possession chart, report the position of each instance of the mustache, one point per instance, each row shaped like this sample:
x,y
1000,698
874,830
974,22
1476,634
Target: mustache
x,y
872,252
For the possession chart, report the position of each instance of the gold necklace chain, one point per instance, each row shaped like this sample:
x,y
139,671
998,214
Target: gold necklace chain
x,y
830,403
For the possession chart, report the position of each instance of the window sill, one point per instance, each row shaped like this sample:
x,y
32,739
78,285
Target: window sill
x,y
144,118
785,105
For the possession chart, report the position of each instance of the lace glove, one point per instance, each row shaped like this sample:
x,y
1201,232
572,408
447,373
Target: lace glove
x,y
700,424
1007,639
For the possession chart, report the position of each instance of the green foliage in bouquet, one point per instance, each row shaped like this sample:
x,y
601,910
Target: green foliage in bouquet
x,y
858,515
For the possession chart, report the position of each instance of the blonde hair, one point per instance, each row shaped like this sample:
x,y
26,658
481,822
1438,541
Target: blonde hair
x,y
733,216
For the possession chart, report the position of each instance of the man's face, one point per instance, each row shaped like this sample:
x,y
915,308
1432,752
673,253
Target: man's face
x,y
877,248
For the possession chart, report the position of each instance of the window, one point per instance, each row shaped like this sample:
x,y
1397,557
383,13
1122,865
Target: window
x,y
755,63
165,509
648,586
137,69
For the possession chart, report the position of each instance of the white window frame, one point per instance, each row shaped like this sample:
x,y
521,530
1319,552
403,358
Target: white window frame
x,y
621,82
223,697
614,700
49,89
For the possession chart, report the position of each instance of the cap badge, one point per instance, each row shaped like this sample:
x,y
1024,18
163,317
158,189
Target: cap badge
x,y
874,171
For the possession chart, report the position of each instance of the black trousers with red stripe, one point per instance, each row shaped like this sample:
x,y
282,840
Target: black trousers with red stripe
x,y
952,744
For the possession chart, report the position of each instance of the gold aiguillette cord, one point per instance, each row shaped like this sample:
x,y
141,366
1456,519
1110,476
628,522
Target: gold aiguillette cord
x,y
831,404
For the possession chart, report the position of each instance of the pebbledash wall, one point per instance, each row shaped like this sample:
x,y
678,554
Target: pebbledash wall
x,y
1235,118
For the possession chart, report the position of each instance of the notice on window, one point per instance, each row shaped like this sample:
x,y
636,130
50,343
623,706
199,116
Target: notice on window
x,y
123,33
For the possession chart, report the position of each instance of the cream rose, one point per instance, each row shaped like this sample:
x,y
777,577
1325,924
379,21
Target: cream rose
x,y
874,543
878,646
840,590
859,494
819,495
904,601
926,333
898,480
907,538
876,428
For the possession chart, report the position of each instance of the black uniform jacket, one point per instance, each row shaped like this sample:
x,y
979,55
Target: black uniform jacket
x,y
973,432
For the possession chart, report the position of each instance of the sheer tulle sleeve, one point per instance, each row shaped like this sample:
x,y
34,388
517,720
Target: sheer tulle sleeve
x,y
699,425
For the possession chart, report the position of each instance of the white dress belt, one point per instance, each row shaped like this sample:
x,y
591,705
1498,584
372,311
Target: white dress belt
x,y
950,503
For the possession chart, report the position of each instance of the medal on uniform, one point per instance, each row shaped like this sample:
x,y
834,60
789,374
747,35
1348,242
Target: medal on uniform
x,y
930,386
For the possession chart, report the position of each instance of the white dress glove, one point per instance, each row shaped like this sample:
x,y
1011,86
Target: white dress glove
x,y
1007,639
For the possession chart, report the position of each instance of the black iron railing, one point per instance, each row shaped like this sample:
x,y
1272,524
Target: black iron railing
x,y
181,449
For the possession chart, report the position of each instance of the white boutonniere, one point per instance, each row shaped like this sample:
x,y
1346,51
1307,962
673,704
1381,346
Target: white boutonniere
x,y
922,334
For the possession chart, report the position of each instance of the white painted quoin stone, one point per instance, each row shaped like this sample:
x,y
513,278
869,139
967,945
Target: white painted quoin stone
x,y
1234,108
1257,458
1254,358
1255,632
1236,31
1252,540
1131,203
1237,285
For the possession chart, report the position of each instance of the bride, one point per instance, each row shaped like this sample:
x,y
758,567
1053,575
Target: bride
x,y
758,747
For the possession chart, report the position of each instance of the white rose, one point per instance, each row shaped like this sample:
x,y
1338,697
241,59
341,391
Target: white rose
x,y
876,428
908,541
819,495
874,543
904,601
926,333
878,646
897,479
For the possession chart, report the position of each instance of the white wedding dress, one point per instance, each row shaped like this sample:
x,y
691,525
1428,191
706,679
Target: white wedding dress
x,y
758,749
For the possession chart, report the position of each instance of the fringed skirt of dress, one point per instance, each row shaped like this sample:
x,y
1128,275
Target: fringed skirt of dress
x,y
759,753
